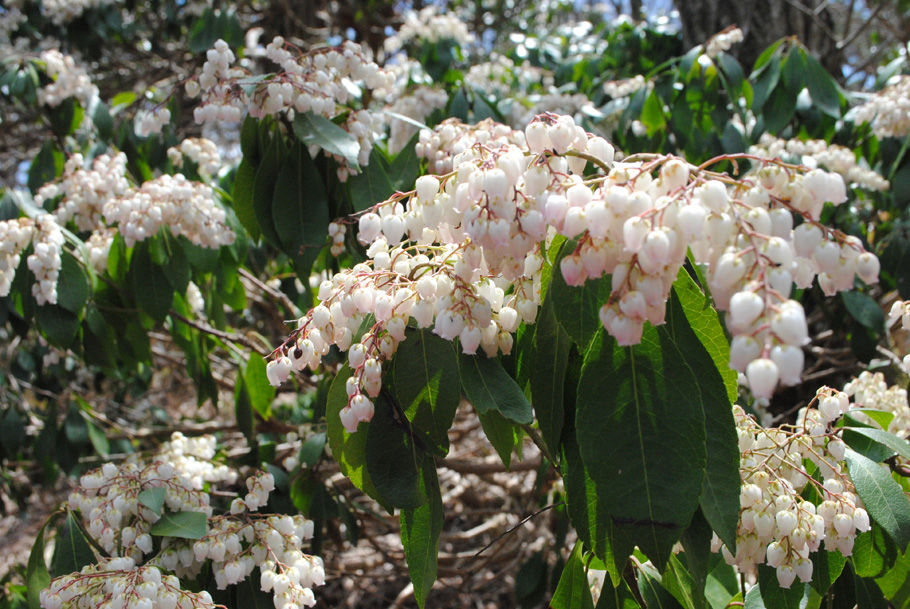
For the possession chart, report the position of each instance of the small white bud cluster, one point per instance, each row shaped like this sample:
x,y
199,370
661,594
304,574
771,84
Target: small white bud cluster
x,y
195,300
69,80
888,110
870,390
337,231
429,25
15,235
99,248
117,583
626,87
777,525
499,77
575,105
819,153
417,104
723,41
44,261
362,125
461,253
193,458
200,150
64,11
149,122
451,137
85,189
186,208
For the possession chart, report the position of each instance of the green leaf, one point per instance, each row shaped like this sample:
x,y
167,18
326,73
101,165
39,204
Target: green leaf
x,y
620,597
895,584
681,584
875,444
348,449
873,553
176,267
46,166
794,69
312,449
66,117
313,129
765,83
243,411
696,540
501,434
153,499
779,110
864,309
151,288
573,591
250,594
72,284
97,438
577,309
652,113
549,359
827,567
884,499
822,87
653,593
392,458
641,432
427,386
257,385
300,209
489,387
264,185
37,577
72,550
373,184
420,529
59,325
185,525
722,584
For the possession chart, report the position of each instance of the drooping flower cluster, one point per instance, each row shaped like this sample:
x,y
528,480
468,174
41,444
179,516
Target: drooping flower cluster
x,y
429,25
626,87
819,153
500,76
64,11
451,137
15,235
722,41
117,583
869,390
44,261
152,121
185,207
418,104
777,525
888,110
200,150
319,81
85,190
462,252
69,80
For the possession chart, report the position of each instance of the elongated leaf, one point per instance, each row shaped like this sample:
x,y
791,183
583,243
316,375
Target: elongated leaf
x,y
769,595
373,184
274,153
257,385
873,553
765,83
37,577
548,362
876,444
489,387
826,568
348,449
392,458
151,288
822,87
696,540
427,386
641,432
501,433
577,309
242,197
313,129
884,499
573,591
652,591
420,529
72,284
620,597
681,584
72,550
184,525
864,309
312,449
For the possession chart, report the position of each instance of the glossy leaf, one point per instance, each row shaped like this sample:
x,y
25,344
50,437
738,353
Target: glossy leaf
x,y
548,361
153,499
72,550
183,525
420,529
883,497
490,388
316,130
393,458
573,591
577,309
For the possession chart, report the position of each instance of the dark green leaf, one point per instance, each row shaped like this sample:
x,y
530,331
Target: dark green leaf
x,y
641,432
242,196
681,584
72,550
151,288
696,540
185,525
46,166
794,69
420,529
577,309
549,359
864,309
313,129
653,593
765,83
392,458
59,325
779,109
153,498
875,444
264,185
822,87
312,449
72,284
37,577
176,267
827,567
884,499
427,386
769,595
256,383
873,553
501,434
243,410
488,387
573,591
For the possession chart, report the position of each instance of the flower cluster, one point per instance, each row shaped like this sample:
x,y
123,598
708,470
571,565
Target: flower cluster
x,y
185,207
722,41
64,11
777,525
69,80
431,26
117,583
626,87
318,81
337,232
869,390
15,235
888,110
461,253
819,153
451,137
500,76
85,190
418,104
152,121
44,261
202,151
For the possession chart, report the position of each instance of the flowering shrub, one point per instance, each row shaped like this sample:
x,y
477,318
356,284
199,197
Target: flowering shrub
x,y
633,256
